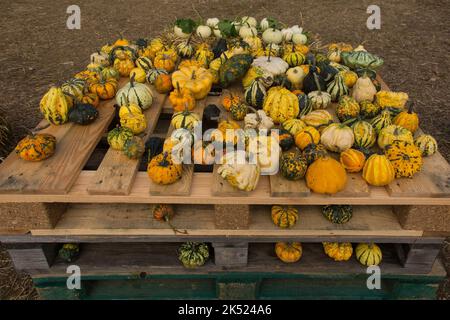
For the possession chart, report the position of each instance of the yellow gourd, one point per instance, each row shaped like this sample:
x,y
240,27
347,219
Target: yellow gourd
x,y
198,80
378,170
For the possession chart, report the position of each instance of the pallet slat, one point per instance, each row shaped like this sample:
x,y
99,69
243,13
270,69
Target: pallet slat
x,y
136,220
116,173
57,174
131,258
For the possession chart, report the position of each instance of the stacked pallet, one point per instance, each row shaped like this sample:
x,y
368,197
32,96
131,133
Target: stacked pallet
x,y
108,211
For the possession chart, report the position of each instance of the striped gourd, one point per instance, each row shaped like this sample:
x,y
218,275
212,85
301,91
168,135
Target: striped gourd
x,y
294,58
255,94
185,119
381,121
337,88
365,135
152,74
144,63
193,254
369,110
426,144
304,104
74,88
136,93
368,254
294,126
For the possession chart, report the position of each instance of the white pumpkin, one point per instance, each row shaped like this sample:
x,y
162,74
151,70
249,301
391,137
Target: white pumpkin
x,y
264,24
296,29
238,172
212,22
299,38
179,32
337,137
275,65
287,34
217,32
136,93
364,89
265,151
295,76
258,120
204,31
247,32
272,35
249,21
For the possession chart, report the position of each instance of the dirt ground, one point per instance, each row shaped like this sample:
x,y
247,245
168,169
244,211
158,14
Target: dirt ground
x,y
38,50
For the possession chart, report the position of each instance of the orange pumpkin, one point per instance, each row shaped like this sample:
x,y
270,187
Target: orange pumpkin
x,y
353,160
182,99
105,88
164,61
326,175
124,66
163,83
91,98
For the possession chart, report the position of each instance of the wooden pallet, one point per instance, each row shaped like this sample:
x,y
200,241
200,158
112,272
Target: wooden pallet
x,y
117,178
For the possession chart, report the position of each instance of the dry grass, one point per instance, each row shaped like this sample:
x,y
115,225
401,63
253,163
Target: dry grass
x,y
13,285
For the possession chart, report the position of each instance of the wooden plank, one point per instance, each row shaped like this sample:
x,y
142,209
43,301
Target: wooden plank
x,y
118,259
282,187
201,194
135,220
57,174
356,187
117,172
183,186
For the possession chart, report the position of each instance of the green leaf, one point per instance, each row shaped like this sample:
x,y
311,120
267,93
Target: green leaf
x,y
227,29
186,25
273,23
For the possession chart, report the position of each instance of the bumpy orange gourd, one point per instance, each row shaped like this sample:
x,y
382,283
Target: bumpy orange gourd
x,y
163,83
326,175
124,66
162,169
36,147
164,61
288,252
182,99
105,88
353,160
338,251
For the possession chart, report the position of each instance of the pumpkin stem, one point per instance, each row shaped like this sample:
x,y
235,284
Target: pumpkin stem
x,y
410,108
178,88
132,79
193,75
270,52
311,137
316,80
